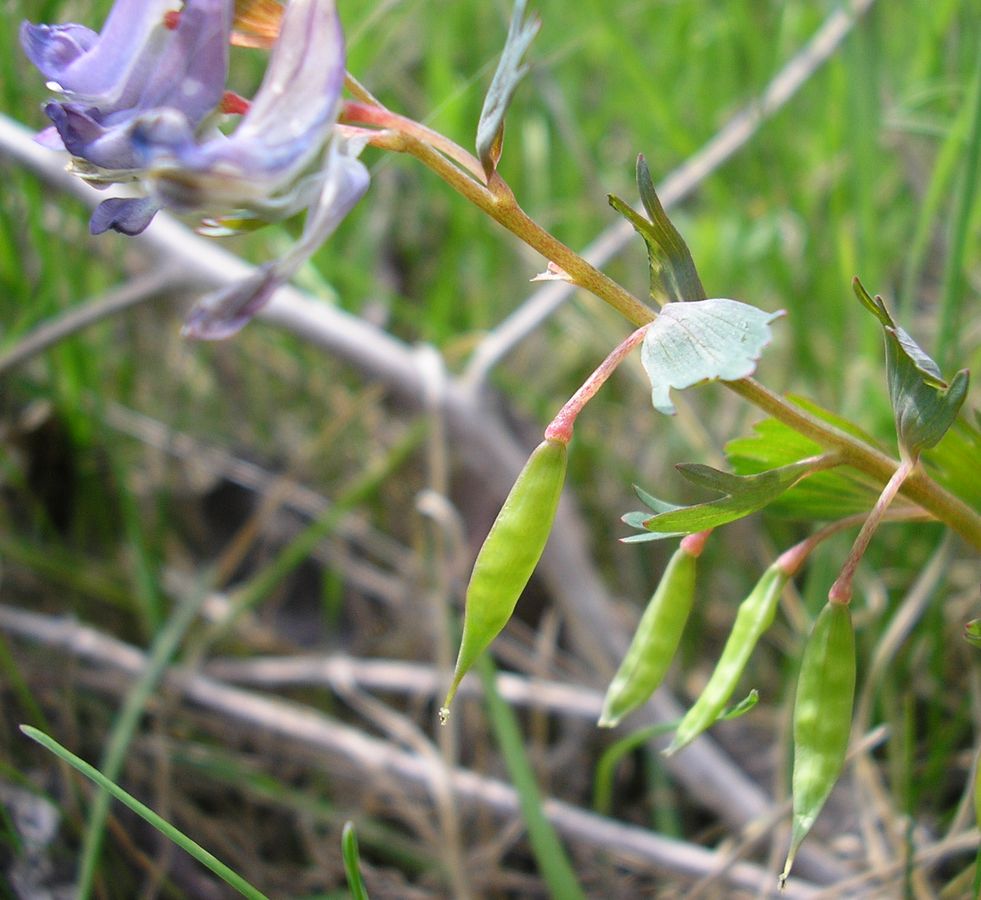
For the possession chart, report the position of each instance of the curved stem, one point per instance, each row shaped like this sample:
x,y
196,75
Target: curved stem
x,y
497,200
376,114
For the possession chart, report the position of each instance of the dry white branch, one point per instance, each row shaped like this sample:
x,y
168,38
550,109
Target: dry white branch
x,y
131,293
414,679
372,758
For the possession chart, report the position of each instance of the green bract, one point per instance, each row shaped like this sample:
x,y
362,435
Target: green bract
x,y
655,641
509,554
822,718
754,617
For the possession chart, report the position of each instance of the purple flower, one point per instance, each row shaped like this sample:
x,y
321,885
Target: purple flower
x,y
97,69
140,107
222,313
286,126
134,66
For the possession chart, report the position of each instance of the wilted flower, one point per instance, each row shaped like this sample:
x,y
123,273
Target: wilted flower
x,y
142,103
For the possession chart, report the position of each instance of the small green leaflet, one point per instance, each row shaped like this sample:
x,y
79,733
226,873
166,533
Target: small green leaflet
x,y
673,273
510,71
689,343
742,495
923,404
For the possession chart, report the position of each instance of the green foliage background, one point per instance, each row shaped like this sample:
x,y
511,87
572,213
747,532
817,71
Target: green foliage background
x,y
859,174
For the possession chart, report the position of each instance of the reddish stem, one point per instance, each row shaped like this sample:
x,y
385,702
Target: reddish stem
x,y
841,590
561,426
233,104
358,113
694,544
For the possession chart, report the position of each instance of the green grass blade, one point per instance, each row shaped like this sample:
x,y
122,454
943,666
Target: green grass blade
x,y
553,863
606,767
164,647
352,862
954,282
230,877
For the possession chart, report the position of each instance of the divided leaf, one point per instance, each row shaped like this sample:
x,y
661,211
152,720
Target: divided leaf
x,y
690,343
510,71
637,519
742,495
923,404
825,495
673,273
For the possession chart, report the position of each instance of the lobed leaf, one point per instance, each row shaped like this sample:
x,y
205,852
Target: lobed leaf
x,y
510,71
743,494
923,404
706,340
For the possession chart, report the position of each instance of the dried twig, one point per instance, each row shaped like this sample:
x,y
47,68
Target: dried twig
x,y
373,758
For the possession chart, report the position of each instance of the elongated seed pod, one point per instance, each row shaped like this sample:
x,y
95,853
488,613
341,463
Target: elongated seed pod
x,y
509,554
655,641
754,617
822,718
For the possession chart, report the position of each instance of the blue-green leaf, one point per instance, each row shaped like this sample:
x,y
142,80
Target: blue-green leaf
x,y
740,708
510,71
923,404
690,343
742,495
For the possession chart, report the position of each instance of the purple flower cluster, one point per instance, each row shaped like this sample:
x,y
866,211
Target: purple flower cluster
x,y
141,104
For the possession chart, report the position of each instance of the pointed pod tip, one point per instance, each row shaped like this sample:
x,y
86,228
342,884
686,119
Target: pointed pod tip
x,y
443,713
788,865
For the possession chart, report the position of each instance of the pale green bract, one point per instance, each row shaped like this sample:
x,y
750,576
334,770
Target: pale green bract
x,y
704,340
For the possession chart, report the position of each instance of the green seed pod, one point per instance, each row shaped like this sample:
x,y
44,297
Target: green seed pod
x,y
509,555
754,617
822,718
655,641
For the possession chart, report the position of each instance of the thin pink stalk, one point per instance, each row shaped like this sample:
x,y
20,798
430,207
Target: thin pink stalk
x,y
790,561
694,544
561,426
841,590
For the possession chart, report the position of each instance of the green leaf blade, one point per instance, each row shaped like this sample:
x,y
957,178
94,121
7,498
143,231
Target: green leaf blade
x,y
924,405
742,495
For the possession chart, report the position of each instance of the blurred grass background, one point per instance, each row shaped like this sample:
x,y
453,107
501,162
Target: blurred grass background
x,y
119,446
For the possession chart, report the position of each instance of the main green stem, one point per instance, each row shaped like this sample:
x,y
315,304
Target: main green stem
x,y
498,201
